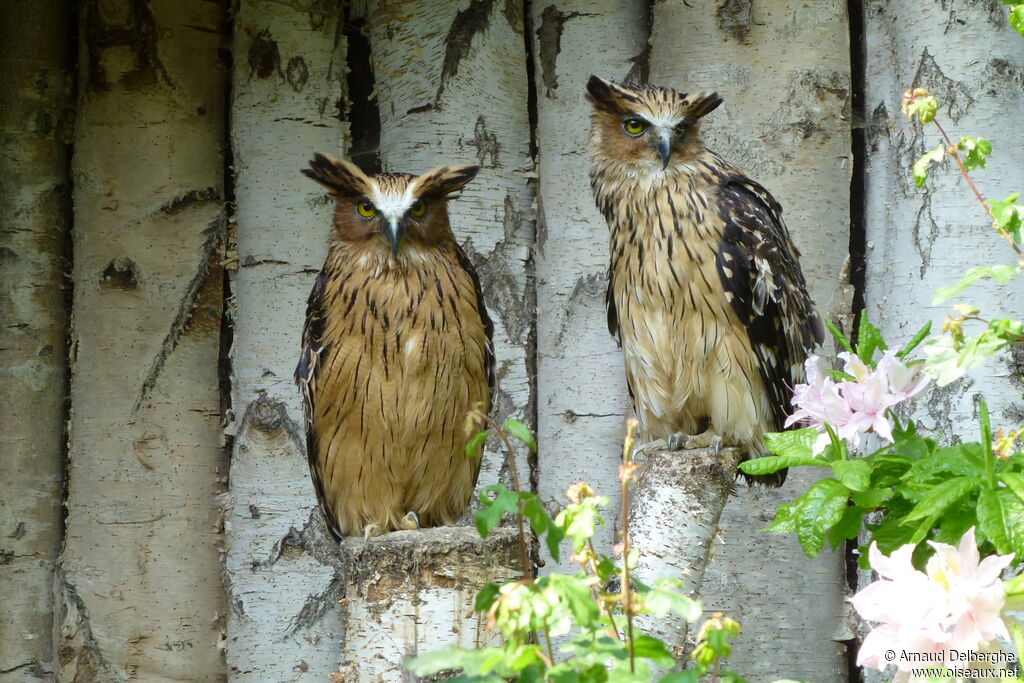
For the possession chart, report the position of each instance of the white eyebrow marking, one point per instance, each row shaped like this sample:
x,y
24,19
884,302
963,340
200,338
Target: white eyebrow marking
x,y
393,207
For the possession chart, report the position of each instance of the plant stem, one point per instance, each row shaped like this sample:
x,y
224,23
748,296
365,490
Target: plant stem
x,y
981,199
510,458
986,443
624,477
547,640
840,451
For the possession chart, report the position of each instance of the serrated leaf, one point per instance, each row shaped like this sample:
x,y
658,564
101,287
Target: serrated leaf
x,y
1001,273
854,474
838,336
520,432
941,497
822,507
1008,214
1001,518
928,158
869,339
975,150
915,340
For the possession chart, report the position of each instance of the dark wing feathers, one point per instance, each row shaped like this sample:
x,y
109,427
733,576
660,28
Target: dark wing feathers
x,y
758,266
489,364
306,373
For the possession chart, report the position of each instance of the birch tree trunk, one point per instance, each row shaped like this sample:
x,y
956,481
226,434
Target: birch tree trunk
x,y
451,87
783,69
282,569
923,238
919,239
141,595
34,193
581,387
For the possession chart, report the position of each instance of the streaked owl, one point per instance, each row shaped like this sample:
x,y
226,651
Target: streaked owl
x,y
705,291
396,350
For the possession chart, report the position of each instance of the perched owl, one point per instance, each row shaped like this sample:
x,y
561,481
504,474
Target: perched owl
x,y
396,350
705,292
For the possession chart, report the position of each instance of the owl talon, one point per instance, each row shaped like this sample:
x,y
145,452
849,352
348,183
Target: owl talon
x,y
410,522
676,441
371,530
706,439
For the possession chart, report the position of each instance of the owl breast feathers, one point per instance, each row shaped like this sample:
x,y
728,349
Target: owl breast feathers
x,y
396,350
705,292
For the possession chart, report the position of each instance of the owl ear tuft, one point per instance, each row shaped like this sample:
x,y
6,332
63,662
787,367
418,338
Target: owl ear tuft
x,y
603,94
444,180
341,178
702,103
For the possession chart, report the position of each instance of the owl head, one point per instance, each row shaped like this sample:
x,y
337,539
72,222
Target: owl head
x,y
389,209
646,125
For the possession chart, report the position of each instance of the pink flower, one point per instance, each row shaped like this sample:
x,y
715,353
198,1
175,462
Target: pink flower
x,y
854,407
956,605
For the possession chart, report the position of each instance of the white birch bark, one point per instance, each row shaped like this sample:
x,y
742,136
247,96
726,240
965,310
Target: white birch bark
x,y
581,387
919,239
281,567
34,215
411,592
783,69
140,590
451,88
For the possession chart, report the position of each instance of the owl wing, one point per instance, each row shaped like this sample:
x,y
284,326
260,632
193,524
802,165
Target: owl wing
x,y
306,374
759,270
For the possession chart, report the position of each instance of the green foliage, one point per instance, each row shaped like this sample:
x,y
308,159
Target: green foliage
x,y
975,150
950,357
1008,214
928,158
1001,273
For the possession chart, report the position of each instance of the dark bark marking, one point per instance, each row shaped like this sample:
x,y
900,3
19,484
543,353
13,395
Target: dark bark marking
x,y
924,239
735,18
466,25
208,261
952,93
90,662
486,144
589,290
362,112
188,199
549,37
297,73
264,57
515,15
136,29
120,273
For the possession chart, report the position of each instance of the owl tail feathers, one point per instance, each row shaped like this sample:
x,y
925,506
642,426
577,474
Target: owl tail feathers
x,y
341,178
701,103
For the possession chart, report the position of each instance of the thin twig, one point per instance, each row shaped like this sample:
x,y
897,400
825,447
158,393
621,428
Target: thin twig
x,y
510,458
625,472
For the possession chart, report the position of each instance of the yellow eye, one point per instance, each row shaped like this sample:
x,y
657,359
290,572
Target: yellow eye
x,y
634,127
366,209
418,209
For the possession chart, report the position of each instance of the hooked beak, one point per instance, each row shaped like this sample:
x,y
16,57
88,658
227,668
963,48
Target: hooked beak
x,y
394,231
662,144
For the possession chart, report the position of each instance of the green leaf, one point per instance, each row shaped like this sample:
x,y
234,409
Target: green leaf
x,y
848,527
917,339
941,497
1017,18
652,649
869,339
689,676
774,463
666,597
924,107
521,432
946,364
1002,273
838,336
785,518
1015,482
1008,214
485,597
1001,518
870,499
921,165
855,474
822,507
795,443
975,150
474,445
489,516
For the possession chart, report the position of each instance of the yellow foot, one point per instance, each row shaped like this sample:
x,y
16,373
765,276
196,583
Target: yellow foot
x,y
371,530
410,521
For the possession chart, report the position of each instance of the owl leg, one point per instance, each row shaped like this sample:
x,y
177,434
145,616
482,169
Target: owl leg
x,y
410,521
372,530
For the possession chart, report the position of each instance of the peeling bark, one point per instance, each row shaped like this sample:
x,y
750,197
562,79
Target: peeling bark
x,y
281,569
581,388
478,114
783,70
145,460
35,121
410,592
